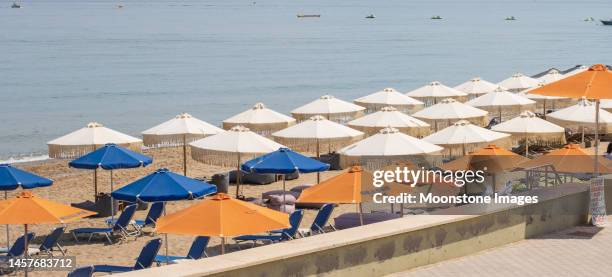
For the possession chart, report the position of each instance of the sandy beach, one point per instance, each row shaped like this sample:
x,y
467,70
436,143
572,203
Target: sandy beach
x,y
74,185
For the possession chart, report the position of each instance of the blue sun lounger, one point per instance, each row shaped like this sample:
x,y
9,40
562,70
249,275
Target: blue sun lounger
x,y
155,211
52,241
145,259
121,227
278,235
321,221
85,271
196,251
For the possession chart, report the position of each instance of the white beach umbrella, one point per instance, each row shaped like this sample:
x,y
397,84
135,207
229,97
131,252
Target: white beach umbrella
x,y
317,132
542,101
87,139
435,91
575,70
449,111
330,107
260,119
179,131
606,104
532,129
476,87
467,137
389,97
231,148
581,116
390,117
501,100
519,82
553,75
389,144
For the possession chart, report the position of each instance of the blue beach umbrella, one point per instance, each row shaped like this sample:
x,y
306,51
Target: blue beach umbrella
x,y
12,178
164,185
110,157
284,161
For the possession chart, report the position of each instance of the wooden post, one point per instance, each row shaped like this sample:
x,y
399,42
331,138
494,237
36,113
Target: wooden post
x,y
185,154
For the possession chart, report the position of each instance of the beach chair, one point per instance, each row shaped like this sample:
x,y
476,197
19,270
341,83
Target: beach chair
x,y
278,235
196,251
120,227
320,222
85,271
52,241
18,248
145,259
153,215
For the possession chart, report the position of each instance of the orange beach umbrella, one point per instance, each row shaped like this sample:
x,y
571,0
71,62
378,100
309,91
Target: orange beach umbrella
x,y
569,159
222,216
28,209
492,157
594,83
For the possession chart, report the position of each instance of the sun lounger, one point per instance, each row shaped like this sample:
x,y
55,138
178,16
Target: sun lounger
x,y
197,251
16,250
120,227
321,221
278,235
145,259
52,241
86,271
153,215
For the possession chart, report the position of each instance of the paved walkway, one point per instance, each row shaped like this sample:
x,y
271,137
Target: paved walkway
x,y
580,251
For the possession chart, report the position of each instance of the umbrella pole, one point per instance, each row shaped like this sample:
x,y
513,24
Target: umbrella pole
x,y
596,169
222,245
95,177
238,173
284,193
360,211
544,109
526,147
582,128
166,238
184,154
319,159
500,119
8,237
111,198
26,242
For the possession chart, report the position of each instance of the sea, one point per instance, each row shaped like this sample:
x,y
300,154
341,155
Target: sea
x,y
133,64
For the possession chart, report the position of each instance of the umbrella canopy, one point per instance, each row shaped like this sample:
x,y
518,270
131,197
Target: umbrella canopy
x,y
467,137
29,209
569,159
222,216
230,147
502,101
12,178
449,111
284,161
546,101
606,104
388,145
316,132
390,117
575,70
330,107
491,157
518,82
581,115
260,119
109,157
552,75
435,91
177,131
528,126
476,87
389,97
547,71
87,139
344,188
163,185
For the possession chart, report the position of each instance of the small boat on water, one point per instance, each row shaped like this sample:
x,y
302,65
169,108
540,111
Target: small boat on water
x,y
301,15
370,16
436,17
510,18
606,22
589,19
15,5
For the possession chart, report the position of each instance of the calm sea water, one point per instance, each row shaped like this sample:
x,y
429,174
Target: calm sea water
x,y
65,63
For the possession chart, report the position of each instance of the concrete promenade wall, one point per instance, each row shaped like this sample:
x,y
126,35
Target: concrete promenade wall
x,y
398,245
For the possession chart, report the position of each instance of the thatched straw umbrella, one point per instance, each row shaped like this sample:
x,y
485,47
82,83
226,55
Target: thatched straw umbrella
x,y
179,131
329,107
87,139
503,103
466,137
449,111
390,117
260,119
532,130
435,91
389,97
